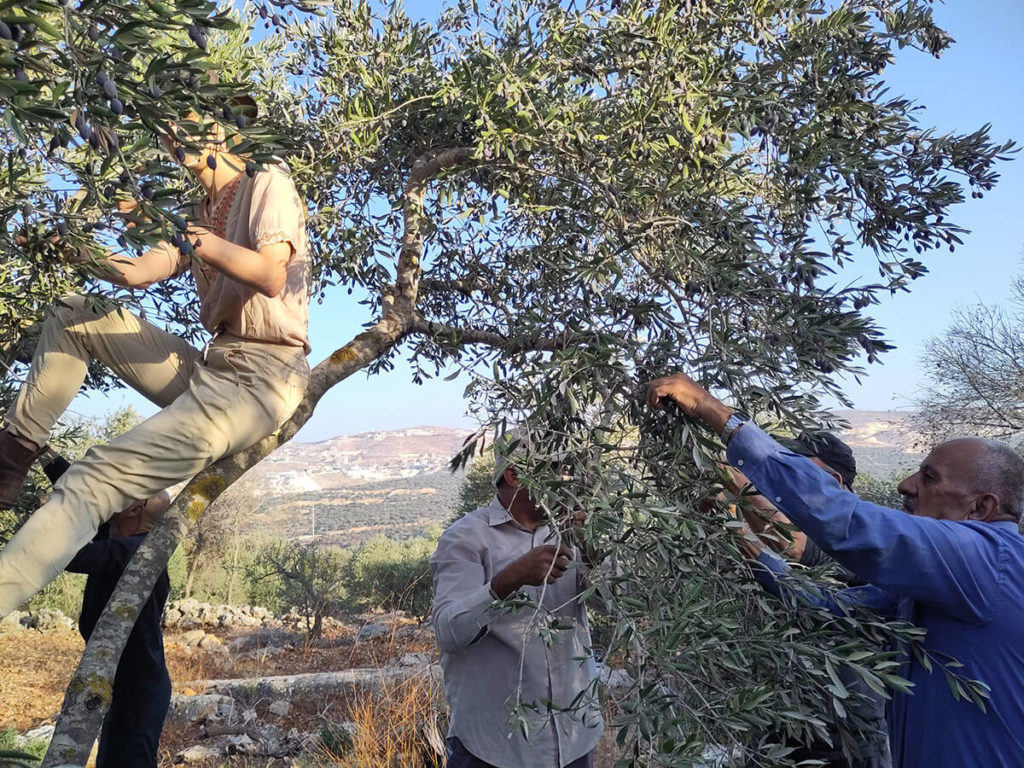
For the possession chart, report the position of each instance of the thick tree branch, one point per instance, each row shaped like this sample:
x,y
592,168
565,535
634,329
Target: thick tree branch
x,y
525,343
88,694
466,287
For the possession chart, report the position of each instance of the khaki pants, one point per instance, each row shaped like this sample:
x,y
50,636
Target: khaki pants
x,y
242,392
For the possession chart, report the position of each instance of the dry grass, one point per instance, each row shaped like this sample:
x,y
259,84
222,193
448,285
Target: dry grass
x,y
35,668
397,727
389,726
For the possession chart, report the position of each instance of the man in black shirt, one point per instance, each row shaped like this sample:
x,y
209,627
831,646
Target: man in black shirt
x,y
142,687
870,748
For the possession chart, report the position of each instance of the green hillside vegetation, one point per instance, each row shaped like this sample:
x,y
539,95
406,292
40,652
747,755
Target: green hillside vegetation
x,y
403,508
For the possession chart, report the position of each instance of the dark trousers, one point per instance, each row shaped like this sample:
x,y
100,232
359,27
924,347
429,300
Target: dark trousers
x,y
460,757
131,729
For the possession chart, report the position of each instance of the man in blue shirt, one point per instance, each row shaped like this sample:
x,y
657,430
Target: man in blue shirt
x,y
954,566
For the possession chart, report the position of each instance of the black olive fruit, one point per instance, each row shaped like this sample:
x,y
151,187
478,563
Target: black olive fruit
x,y
116,106
197,35
211,162
179,153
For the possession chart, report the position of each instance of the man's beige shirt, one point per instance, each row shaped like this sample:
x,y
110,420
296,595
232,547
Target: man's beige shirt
x,y
266,209
494,660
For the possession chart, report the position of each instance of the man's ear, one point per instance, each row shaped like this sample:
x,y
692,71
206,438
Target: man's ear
x,y
511,478
985,508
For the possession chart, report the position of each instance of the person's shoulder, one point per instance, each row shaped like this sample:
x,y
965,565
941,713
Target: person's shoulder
x,y
276,175
998,537
470,525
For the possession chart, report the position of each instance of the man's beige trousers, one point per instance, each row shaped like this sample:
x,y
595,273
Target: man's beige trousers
x,y
241,393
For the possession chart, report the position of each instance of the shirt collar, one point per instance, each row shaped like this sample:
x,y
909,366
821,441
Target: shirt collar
x,y
497,514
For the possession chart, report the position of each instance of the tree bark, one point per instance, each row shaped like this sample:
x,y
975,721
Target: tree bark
x,y
88,695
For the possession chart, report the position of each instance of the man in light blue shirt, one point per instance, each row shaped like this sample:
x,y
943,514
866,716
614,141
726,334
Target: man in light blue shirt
x,y
954,566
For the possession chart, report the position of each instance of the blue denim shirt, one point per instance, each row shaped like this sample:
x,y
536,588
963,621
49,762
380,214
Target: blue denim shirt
x,y
961,581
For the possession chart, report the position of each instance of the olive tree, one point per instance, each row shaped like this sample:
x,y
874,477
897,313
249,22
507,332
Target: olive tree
x,y
560,202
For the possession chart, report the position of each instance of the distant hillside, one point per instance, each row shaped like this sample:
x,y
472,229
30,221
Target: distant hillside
x,y
882,441
353,487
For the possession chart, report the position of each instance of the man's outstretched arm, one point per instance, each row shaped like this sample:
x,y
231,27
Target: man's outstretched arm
x,y
775,576
934,561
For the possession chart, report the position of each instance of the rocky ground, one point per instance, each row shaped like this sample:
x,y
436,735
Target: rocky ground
x,y
250,690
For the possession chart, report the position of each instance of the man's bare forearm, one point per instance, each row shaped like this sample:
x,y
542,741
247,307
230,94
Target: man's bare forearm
x,y
264,270
126,271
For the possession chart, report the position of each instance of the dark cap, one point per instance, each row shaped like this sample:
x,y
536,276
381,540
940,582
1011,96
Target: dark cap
x,y
827,448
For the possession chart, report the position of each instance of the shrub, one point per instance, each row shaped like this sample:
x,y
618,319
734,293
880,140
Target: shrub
x,y
307,577
393,575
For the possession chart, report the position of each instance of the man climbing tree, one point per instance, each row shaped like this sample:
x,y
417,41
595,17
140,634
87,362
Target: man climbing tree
x,y
248,254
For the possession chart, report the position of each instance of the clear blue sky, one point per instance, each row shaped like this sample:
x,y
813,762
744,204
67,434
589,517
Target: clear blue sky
x,y
979,80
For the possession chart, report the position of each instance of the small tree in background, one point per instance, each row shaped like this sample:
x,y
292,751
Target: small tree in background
x,y
393,575
881,490
974,373
308,577
477,487
71,440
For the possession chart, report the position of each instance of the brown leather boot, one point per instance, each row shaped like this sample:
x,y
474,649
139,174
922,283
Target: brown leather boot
x,y
15,462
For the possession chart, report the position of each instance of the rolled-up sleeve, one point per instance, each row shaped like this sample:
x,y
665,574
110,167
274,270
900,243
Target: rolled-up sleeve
x,y
462,591
277,214
954,566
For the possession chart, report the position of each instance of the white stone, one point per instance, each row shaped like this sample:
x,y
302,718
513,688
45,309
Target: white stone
x,y
42,733
371,631
280,707
12,622
615,679
193,637
186,710
197,754
414,660
210,641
